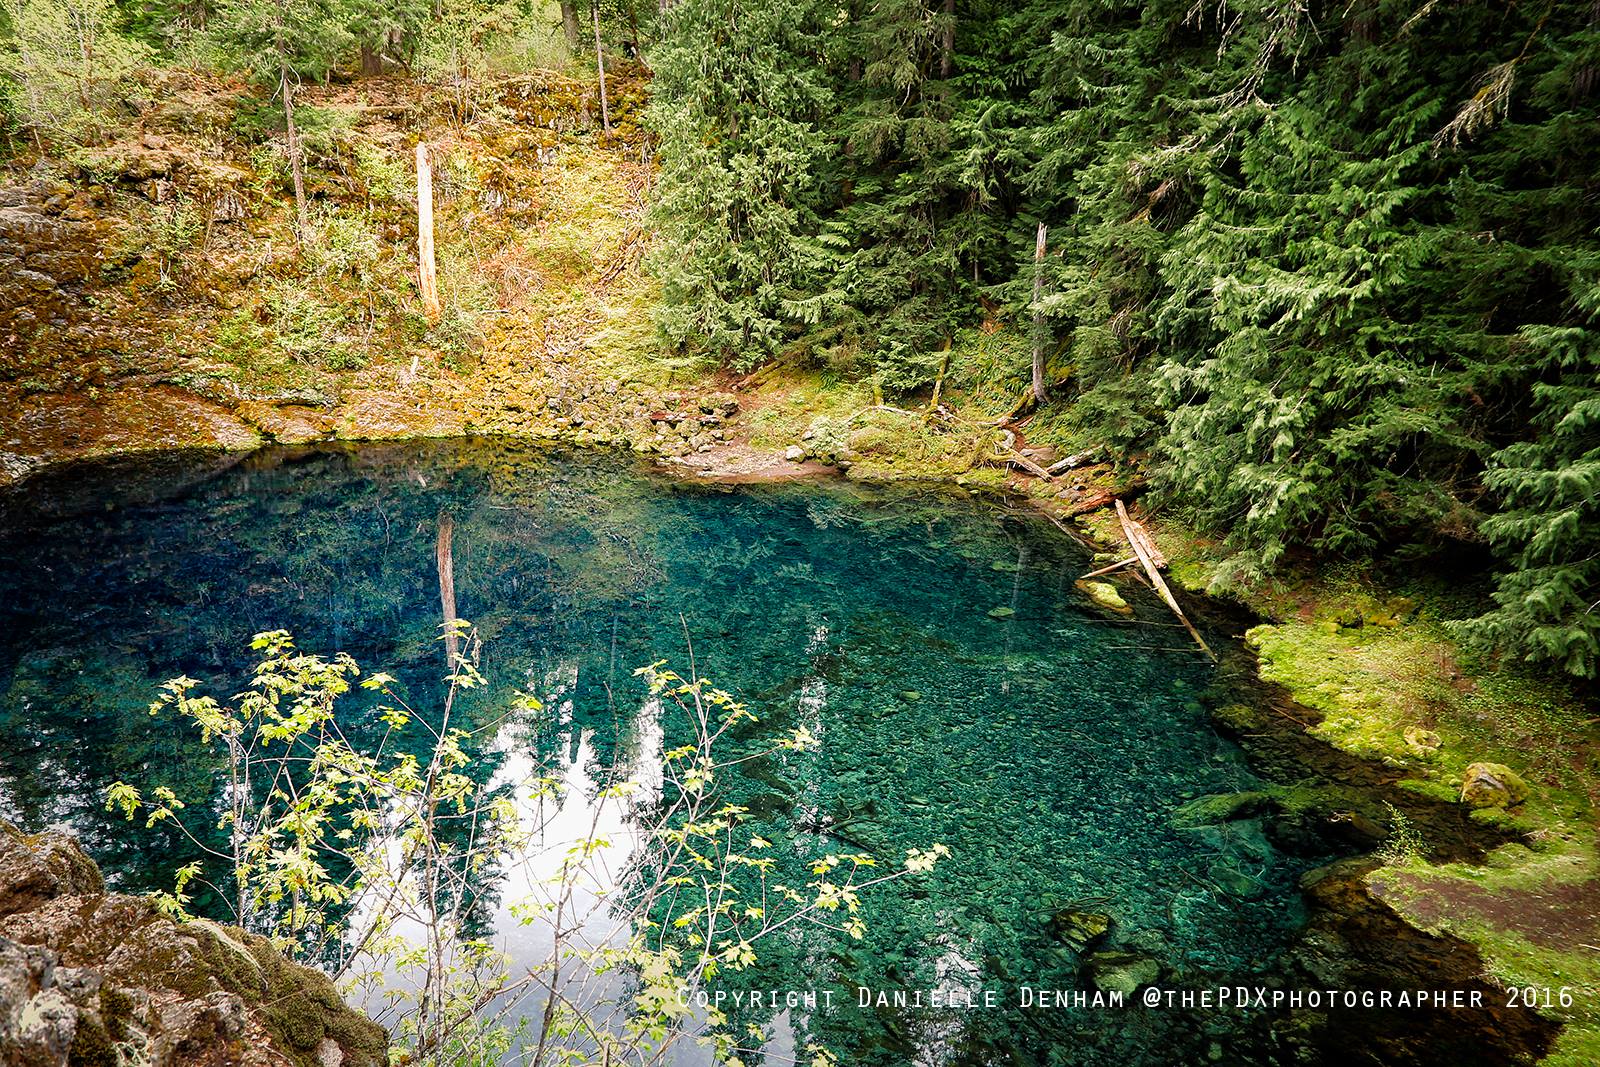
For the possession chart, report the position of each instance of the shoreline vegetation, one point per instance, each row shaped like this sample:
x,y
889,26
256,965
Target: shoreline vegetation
x,y
165,291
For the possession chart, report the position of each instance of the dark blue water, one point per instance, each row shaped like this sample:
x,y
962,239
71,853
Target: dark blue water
x,y
1049,745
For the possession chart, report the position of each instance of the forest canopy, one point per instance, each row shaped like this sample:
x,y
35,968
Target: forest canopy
x,y
1335,267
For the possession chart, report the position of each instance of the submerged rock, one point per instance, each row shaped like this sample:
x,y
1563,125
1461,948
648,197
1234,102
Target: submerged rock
x,y
1081,929
1121,972
1489,785
1105,595
84,973
1221,808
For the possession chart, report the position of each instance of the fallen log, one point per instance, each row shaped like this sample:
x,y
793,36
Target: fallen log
x,y
1092,503
1073,462
1139,540
1108,568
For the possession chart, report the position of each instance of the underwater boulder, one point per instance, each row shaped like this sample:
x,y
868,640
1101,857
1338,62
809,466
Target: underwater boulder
x,y
1121,972
1104,595
1081,929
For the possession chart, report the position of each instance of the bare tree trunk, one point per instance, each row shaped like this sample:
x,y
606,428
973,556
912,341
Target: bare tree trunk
x,y
447,585
296,168
427,270
569,24
1587,76
600,65
947,58
1038,316
286,90
371,61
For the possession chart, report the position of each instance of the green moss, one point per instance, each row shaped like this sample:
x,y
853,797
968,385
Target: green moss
x,y
92,1045
1105,595
1495,906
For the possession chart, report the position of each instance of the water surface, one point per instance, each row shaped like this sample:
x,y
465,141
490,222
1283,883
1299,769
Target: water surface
x,y
964,690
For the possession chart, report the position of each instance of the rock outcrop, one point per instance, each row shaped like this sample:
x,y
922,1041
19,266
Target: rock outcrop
x,y
96,979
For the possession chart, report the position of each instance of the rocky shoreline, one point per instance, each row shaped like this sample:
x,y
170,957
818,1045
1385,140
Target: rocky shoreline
x,y
96,979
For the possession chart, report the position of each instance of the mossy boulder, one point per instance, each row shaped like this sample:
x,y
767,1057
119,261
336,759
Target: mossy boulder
x,y
1222,807
1492,785
1081,928
1105,595
1121,972
83,972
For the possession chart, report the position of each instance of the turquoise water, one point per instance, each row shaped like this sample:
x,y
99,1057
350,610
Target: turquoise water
x,y
1047,744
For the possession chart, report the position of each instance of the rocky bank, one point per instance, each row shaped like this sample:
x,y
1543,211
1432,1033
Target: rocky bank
x,y
96,979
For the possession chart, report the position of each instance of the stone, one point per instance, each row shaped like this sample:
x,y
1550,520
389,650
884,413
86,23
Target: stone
x,y
36,868
1081,929
1221,808
1105,595
1121,972
1422,742
84,973
1491,785
1233,882
794,454
34,280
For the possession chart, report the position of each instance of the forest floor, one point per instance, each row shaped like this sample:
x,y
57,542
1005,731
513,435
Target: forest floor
x,y
155,296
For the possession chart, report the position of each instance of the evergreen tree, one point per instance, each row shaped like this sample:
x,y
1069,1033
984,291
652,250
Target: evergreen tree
x,y
280,42
739,95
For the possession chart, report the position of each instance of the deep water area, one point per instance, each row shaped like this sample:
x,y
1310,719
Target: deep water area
x,y
964,691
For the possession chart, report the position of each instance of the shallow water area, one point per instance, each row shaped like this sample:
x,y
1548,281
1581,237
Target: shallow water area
x,y
964,692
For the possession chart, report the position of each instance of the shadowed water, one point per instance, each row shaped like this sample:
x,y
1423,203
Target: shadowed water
x,y
965,692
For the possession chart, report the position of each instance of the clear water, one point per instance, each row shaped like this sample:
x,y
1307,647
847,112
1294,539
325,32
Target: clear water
x,y
1049,748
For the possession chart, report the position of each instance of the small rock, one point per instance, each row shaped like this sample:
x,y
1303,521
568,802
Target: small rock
x,y
1121,972
1422,742
1489,785
794,454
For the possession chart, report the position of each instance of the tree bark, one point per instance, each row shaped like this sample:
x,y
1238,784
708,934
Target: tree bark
x,y
600,65
371,61
296,169
569,24
427,270
1038,316
286,90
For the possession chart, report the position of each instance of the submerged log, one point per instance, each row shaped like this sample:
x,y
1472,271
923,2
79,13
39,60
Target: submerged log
x,y
445,556
1108,568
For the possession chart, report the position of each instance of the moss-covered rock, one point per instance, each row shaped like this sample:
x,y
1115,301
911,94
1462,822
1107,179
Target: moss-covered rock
x,y
1081,928
1121,972
1105,595
82,971
1492,785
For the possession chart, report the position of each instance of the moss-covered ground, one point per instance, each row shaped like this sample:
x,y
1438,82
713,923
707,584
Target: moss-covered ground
x,y
1379,663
